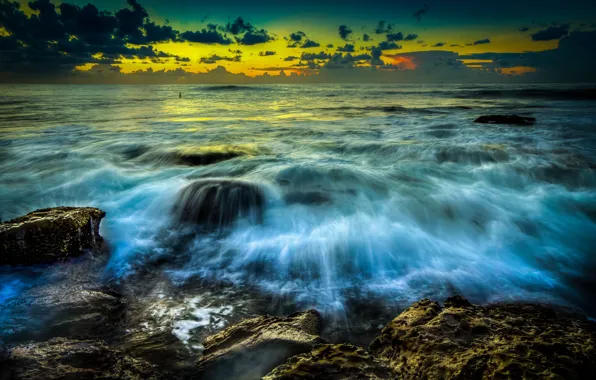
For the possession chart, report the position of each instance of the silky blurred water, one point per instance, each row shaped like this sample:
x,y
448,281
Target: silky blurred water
x,y
397,194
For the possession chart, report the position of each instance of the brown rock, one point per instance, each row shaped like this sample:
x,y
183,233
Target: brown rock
x,y
49,235
332,362
463,341
255,346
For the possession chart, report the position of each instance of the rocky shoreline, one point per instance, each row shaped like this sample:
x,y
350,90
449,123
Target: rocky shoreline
x,y
456,340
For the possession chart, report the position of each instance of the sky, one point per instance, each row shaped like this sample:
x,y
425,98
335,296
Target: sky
x,y
305,41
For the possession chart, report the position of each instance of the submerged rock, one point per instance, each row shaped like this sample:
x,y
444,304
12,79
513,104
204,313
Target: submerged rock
x,y
332,362
255,346
505,119
196,156
62,358
49,235
463,341
217,203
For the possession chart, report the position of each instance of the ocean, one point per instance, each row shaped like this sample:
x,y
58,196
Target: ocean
x,y
375,196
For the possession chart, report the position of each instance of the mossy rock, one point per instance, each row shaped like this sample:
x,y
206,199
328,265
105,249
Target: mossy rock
x,y
503,341
333,362
49,235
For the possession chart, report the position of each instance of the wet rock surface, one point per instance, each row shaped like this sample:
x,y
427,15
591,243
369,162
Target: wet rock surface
x,y
332,362
217,203
463,341
505,119
62,358
255,346
49,235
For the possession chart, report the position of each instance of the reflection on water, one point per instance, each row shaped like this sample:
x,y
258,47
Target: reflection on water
x,y
375,196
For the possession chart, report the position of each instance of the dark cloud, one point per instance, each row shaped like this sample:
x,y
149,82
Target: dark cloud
x,y
291,58
399,36
310,44
235,51
255,37
411,37
239,26
551,33
365,37
207,36
214,58
480,42
300,40
419,13
439,44
51,41
347,48
383,27
267,53
329,46
344,32
388,45
314,56
523,29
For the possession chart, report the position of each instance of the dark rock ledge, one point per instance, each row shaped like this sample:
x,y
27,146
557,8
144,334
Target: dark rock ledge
x,y
49,235
505,119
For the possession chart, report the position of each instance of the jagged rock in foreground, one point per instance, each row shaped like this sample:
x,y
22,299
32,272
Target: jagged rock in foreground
x,y
61,358
255,346
49,235
505,119
463,341
217,203
337,362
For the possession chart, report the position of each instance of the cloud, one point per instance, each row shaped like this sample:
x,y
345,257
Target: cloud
x,y
266,53
300,40
411,37
207,36
314,56
395,36
439,44
388,45
329,46
347,48
551,33
291,58
214,58
523,29
344,32
383,27
255,37
571,61
419,13
365,37
483,41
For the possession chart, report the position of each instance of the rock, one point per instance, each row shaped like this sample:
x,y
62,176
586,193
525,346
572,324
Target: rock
x,y
62,358
255,346
463,341
505,119
55,310
332,362
217,203
195,155
49,235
